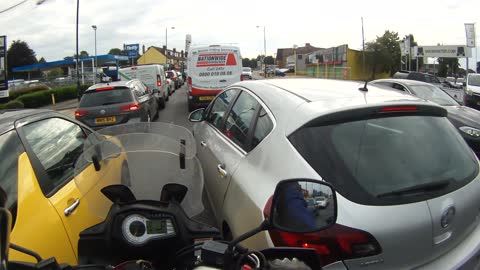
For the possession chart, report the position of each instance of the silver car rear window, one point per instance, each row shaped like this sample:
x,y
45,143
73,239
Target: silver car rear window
x,y
109,97
363,159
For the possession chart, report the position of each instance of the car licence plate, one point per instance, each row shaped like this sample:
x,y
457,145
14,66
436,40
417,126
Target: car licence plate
x,y
105,120
206,98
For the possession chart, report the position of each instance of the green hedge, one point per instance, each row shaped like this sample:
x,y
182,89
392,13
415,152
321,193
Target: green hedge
x,y
44,97
13,104
13,94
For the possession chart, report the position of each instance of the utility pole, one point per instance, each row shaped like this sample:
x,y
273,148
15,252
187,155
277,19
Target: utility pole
x,y
166,43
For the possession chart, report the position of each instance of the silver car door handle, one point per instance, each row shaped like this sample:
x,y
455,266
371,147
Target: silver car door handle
x,y
203,144
69,210
221,170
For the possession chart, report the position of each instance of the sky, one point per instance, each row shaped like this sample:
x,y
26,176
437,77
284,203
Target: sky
x,y
49,28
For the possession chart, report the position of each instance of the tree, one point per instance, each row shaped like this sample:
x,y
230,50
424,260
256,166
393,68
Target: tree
x,y
384,53
116,51
269,60
42,60
19,54
448,67
246,62
54,73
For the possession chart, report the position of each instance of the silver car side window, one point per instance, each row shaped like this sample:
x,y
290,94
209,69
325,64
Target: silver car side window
x,y
239,121
219,107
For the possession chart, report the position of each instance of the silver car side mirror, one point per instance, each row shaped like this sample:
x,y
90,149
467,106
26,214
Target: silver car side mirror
x,y
197,115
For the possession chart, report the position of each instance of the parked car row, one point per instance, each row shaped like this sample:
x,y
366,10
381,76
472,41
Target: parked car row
x,y
390,155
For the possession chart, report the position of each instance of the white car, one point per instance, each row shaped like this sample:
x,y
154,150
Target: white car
x,y
246,73
321,202
406,182
171,86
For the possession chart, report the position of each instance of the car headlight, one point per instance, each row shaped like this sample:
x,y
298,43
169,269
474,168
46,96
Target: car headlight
x,y
471,131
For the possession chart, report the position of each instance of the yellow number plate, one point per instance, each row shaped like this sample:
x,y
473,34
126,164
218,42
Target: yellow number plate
x,y
206,98
105,120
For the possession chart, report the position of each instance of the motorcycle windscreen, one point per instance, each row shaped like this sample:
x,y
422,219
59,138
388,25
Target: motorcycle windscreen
x,y
144,157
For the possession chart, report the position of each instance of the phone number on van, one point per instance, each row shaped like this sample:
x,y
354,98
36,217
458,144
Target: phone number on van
x,y
215,73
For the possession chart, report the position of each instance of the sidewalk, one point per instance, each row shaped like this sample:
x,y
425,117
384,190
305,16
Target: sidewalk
x,y
64,105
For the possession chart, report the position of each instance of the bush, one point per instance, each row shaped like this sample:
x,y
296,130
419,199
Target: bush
x,y
13,94
43,98
65,93
14,104
36,99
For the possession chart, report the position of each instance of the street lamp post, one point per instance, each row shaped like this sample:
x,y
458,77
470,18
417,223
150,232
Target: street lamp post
x,y
76,57
265,51
166,43
95,68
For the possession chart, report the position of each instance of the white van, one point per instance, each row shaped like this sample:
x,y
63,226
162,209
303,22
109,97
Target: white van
x,y
472,90
210,70
151,75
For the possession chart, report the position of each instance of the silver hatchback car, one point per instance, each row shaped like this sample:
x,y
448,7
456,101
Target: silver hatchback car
x,y
408,186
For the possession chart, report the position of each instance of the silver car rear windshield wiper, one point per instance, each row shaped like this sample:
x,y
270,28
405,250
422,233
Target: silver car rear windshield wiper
x,y
417,188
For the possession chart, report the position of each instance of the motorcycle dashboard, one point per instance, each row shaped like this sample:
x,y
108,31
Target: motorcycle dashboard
x,y
140,228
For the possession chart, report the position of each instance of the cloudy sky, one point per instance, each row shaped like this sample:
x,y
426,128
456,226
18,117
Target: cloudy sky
x,y
49,28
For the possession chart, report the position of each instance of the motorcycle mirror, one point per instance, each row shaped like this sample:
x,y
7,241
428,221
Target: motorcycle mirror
x,y
298,206
173,192
5,228
118,193
303,206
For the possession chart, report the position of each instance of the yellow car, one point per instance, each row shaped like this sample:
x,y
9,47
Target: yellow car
x,y
37,151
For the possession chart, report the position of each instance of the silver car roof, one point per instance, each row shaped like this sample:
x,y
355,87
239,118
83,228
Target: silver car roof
x,y
116,83
295,102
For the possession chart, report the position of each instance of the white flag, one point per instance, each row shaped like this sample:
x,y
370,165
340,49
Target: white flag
x,y
470,31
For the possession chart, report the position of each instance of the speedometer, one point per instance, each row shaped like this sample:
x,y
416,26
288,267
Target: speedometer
x,y
134,229
138,229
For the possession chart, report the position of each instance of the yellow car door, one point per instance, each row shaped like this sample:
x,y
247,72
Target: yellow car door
x,y
36,224
57,150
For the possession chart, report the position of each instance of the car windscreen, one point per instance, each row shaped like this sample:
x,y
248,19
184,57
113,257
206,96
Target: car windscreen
x,y
367,160
474,79
246,69
433,93
101,98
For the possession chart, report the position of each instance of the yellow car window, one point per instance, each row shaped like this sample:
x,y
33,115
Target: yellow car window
x,y
57,148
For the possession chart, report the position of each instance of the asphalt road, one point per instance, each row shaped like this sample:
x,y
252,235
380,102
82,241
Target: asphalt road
x,y
176,110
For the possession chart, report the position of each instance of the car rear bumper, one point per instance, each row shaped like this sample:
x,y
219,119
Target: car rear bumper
x,y
201,98
465,256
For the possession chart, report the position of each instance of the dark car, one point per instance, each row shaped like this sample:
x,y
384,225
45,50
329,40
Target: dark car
x,y
120,102
465,119
417,76
171,74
